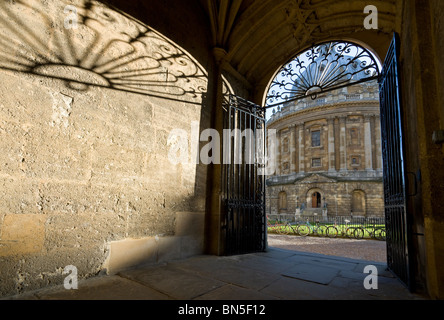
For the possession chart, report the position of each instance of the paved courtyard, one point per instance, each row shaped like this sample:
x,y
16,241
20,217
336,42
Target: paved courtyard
x,y
277,274
372,250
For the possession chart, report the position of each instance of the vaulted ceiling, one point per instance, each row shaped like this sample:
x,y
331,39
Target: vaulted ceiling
x,y
255,37
259,36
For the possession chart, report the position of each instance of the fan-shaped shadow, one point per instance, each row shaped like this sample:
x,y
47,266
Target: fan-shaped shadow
x,y
89,44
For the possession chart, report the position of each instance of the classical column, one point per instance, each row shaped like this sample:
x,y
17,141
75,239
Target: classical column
x,y
301,148
368,143
331,145
378,146
278,163
342,144
337,143
292,148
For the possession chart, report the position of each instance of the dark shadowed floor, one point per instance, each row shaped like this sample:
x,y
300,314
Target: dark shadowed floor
x,y
278,274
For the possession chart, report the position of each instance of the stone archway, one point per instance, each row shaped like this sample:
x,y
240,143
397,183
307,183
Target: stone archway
x,y
314,198
255,50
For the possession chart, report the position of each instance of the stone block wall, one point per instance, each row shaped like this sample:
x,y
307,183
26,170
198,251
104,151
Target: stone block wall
x,y
338,197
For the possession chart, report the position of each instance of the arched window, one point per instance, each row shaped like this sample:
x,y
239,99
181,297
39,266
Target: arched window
x,y
316,200
282,206
358,202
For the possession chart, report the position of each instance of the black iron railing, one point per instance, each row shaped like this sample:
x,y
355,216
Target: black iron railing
x,y
369,227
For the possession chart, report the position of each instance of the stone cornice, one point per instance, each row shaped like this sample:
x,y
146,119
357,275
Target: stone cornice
x,y
325,178
325,107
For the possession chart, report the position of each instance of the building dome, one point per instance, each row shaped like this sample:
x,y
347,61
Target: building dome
x,y
328,154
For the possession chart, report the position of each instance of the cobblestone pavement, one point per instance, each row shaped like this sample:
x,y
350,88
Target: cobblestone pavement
x,y
371,250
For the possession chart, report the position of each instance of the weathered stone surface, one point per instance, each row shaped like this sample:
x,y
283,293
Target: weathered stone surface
x,y
22,234
85,115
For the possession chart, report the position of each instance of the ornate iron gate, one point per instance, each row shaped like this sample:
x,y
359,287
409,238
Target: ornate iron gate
x,y
394,167
243,183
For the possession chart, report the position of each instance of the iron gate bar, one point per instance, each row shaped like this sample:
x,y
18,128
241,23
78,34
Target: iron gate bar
x,y
243,187
397,223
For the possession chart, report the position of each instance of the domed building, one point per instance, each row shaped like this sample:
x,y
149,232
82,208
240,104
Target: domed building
x,y
328,154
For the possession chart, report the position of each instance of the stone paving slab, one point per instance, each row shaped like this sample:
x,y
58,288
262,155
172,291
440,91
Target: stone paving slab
x,y
174,282
277,274
107,288
98,288
263,263
233,292
241,277
313,273
296,289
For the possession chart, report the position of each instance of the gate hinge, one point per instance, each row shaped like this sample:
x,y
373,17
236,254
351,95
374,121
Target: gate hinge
x,y
438,136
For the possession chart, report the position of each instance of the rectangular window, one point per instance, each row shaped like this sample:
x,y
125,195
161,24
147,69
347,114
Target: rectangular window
x,y
316,162
316,138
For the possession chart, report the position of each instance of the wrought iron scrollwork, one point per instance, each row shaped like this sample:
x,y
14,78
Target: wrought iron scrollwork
x,y
323,67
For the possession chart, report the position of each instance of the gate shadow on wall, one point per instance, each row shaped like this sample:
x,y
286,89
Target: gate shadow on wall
x,y
98,47
89,44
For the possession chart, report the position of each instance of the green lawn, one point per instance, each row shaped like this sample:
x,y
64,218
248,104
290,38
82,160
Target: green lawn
x,y
365,232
